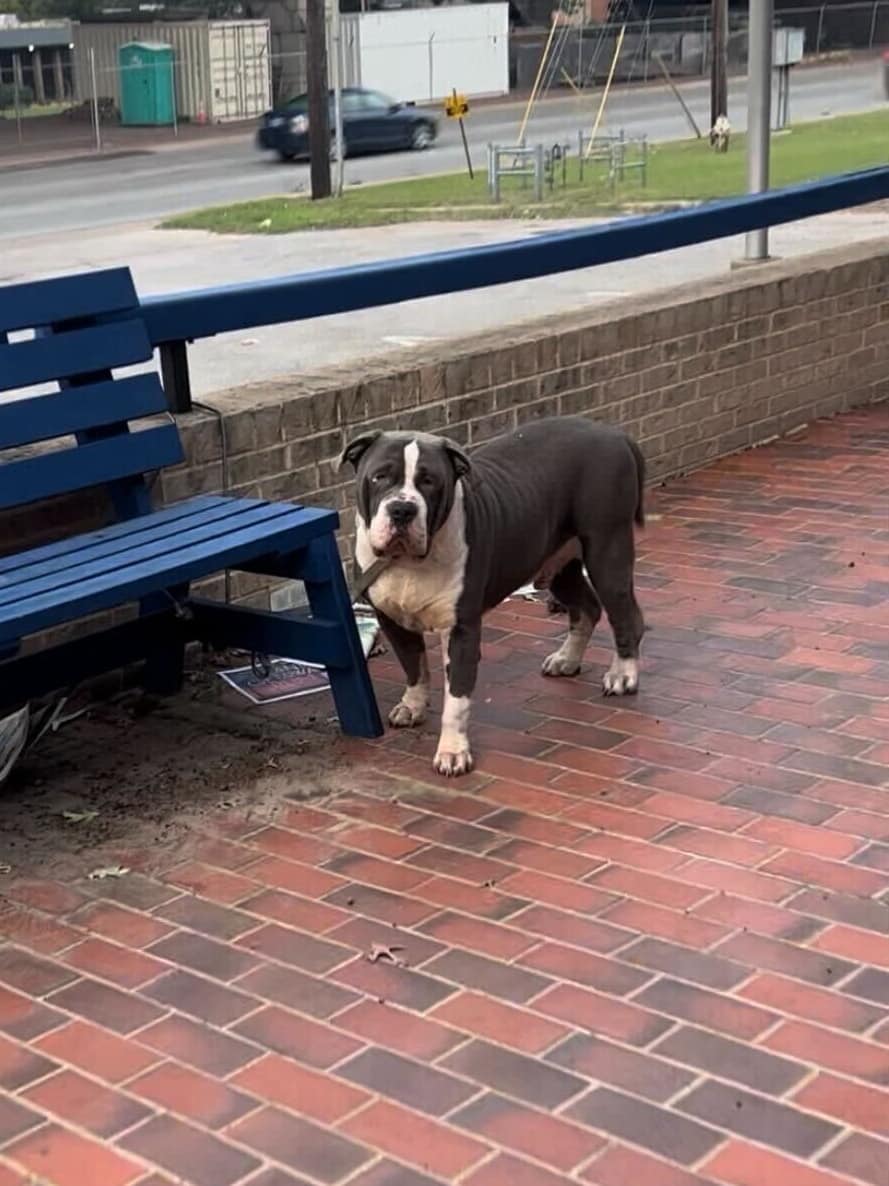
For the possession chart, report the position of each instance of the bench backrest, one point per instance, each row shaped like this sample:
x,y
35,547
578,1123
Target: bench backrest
x,y
73,349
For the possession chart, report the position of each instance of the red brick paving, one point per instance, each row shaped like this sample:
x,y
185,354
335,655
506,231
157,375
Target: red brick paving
x,y
647,941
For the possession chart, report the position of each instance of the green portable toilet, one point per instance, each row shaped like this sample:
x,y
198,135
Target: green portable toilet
x,y
147,83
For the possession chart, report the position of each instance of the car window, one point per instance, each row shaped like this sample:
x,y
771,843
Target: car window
x,y
298,105
351,102
373,101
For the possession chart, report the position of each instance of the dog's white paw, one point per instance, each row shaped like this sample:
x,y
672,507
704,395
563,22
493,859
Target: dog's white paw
x,y
621,678
452,763
560,664
406,716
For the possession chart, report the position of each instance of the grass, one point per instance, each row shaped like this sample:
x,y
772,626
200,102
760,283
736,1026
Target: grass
x,y
681,171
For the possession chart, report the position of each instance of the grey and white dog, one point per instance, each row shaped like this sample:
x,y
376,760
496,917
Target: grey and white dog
x,y
452,537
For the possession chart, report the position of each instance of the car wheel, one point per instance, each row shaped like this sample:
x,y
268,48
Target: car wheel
x,y
421,137
285,157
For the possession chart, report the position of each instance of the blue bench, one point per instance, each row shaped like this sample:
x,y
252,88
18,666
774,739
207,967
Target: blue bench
x,y
85,327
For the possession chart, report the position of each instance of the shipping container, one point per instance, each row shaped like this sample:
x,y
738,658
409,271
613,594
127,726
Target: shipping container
x,y
222,68
420,54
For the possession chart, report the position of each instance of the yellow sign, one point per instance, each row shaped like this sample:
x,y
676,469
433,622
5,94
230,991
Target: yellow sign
x,y
456,106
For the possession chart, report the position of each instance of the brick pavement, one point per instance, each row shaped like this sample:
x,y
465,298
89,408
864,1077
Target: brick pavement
x,y
646,942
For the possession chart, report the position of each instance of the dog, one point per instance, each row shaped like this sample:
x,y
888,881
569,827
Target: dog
x,y
453,537
720,134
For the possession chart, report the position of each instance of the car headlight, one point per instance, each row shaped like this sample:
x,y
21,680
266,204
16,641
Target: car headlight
x,y
299,123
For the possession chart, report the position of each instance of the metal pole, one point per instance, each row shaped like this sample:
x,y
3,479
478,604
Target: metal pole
x,y
873,25
96,127
431,59
718,67
820,26
759,101
173,97
17,94
337,71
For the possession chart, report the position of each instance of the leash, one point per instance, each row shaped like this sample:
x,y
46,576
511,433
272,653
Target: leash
x,y
363,579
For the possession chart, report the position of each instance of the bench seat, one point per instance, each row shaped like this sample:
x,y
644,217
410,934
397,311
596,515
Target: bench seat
x,y
183,543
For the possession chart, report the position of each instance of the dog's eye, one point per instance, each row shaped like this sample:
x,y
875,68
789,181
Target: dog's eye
x,y
379,477
426,480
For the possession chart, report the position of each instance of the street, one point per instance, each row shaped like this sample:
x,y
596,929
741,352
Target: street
x,y
140,188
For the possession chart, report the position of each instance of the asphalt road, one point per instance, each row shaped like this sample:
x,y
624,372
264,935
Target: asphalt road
x,y
99,193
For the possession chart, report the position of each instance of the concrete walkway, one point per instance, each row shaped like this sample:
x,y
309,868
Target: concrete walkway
x,y
647,942
165,261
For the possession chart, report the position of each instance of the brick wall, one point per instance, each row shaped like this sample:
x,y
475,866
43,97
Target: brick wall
x,y
694,373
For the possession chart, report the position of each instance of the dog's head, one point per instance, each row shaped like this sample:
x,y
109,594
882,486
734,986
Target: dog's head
x,y
406,485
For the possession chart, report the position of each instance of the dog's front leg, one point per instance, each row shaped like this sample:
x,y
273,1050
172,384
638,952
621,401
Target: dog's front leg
x,y
410,650
461,648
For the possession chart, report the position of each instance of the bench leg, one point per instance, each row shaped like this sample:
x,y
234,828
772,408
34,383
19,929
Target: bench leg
x,y
165,665
328,594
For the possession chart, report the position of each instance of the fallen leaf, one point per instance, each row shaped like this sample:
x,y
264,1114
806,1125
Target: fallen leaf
x,y
108,871
5,868
382,952
79,817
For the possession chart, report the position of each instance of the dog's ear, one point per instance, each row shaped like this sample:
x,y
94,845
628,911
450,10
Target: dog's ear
x,y
460,460
356,448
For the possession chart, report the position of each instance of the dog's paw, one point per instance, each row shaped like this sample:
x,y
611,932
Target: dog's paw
x,y
560,664
406,716
621,678
452,763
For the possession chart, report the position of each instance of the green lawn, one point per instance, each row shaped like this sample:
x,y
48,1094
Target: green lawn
x,y
679,171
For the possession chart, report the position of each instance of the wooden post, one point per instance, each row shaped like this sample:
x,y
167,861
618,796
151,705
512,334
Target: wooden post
x,y
318,98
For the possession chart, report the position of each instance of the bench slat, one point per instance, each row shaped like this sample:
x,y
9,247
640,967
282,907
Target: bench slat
x,y
65,551
121,456
23,421
65,298
97,563
284,533
79,352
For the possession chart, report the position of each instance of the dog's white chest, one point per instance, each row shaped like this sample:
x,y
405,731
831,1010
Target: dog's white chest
x,y
419,596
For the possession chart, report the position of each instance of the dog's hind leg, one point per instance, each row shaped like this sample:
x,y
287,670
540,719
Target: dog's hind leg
x,y
570,587
410,650
610,566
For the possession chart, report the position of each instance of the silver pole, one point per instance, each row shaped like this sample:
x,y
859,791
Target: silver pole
x,y
336,64
17,94
759,103
173,97
95,89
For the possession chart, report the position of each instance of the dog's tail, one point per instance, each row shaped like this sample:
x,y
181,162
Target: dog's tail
x,y
640,478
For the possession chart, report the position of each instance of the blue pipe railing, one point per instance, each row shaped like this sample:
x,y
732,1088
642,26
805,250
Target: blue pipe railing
x,y
175,319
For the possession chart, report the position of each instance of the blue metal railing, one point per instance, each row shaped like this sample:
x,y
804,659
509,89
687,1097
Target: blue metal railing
x,y
176,319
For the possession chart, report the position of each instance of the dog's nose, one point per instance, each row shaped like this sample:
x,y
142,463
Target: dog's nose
x,y
402,514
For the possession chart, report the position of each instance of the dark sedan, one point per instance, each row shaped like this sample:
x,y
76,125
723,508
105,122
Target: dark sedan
x,y
371,123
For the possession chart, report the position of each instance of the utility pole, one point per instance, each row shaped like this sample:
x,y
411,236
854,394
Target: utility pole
x,y
718,60
759,110
318,98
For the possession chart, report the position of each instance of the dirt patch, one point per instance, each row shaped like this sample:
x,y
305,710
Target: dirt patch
x,y
138,776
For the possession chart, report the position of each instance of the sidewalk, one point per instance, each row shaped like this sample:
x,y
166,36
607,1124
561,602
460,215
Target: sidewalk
x,y
647,942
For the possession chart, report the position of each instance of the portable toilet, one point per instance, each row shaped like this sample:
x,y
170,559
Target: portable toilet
x,y
147,83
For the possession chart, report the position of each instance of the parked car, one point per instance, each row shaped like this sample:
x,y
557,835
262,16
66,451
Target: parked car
x,y
371,123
